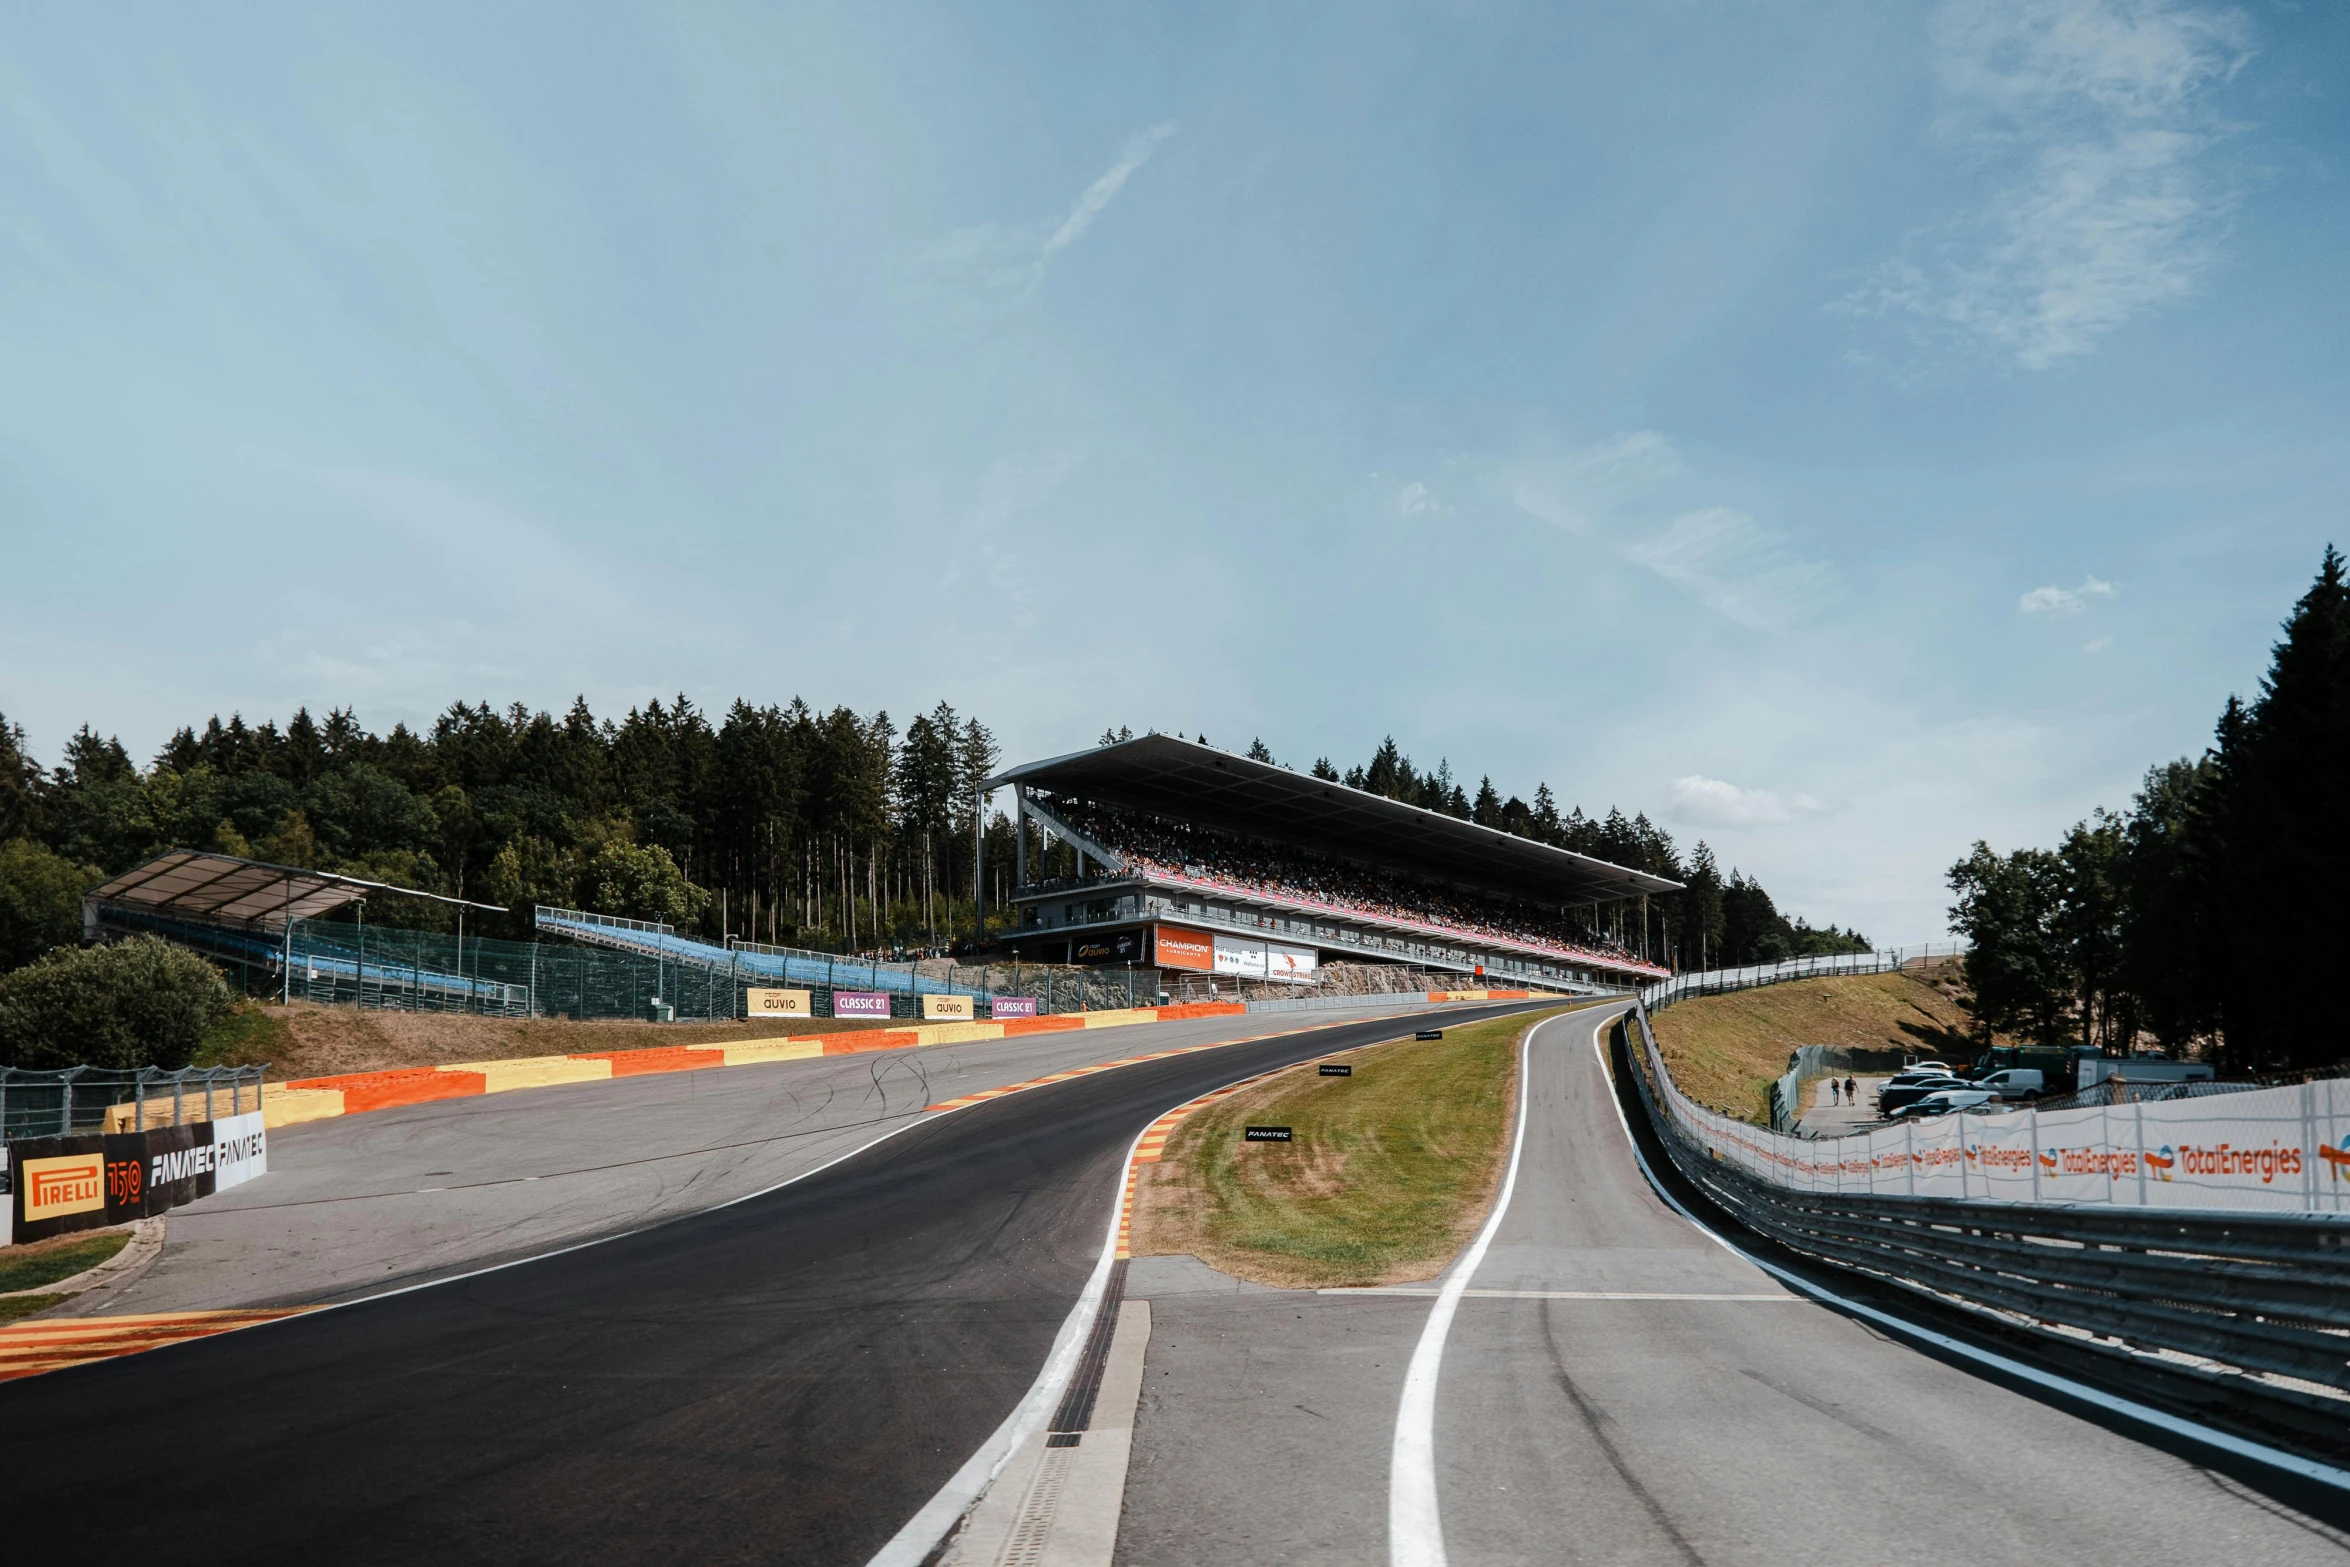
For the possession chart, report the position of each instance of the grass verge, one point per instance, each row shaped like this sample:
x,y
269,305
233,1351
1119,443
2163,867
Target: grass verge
x,y
1391,1171
45,1262
15,1306
1724,1050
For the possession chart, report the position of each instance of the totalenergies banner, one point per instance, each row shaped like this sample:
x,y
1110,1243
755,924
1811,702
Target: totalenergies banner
x,y
2273,1149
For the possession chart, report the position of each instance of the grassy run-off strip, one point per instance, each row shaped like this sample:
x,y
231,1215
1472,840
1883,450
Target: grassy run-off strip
x,y
45,1262
1391,1171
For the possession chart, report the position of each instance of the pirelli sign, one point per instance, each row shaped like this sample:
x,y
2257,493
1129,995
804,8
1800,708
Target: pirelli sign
x,y
62,1185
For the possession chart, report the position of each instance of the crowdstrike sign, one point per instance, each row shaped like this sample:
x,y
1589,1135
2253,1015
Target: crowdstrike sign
x,y
61,1184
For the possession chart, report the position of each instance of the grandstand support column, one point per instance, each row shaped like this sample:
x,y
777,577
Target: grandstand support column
x,y
286,971
978,868
1019,835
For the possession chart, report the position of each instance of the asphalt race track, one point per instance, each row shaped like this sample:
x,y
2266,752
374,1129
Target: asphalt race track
x,y
784,1380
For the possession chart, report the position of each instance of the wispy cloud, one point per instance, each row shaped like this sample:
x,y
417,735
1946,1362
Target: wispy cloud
x,y
2102,111
1735,567
1103,191
1417,500
2064,601
1013,260
1714,802
1720,556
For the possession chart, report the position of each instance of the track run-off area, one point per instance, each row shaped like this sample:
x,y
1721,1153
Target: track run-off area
x,y
799,1361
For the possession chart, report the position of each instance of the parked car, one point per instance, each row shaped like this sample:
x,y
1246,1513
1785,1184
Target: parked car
x,y
1943,1102
2015,1082
1910,1076
1894,1098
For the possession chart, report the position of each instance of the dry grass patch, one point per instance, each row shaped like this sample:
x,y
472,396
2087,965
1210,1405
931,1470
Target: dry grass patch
x,y
1725,1050
1392,1170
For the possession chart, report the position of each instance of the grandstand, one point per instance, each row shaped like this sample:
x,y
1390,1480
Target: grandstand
x,y
302,935
1191,861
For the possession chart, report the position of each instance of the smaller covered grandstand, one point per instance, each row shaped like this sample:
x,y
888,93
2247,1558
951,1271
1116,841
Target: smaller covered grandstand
x,y
303,935
1189,860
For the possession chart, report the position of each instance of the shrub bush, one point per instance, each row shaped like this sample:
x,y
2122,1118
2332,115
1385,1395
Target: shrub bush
x,y
134,1003
40,900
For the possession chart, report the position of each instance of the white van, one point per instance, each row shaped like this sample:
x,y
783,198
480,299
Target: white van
x,y
2015,1082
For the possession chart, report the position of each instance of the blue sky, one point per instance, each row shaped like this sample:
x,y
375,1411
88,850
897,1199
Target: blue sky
x,y
1842,431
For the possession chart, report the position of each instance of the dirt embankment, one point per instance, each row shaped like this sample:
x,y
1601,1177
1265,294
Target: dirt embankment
x,y
1725,1050
305,1040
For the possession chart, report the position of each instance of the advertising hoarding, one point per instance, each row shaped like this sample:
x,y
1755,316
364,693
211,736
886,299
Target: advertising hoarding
x,y
1290,965
1012,1006
1241,956
1186,949
1123,946
778,1003
62,1184
860,1003
947,1009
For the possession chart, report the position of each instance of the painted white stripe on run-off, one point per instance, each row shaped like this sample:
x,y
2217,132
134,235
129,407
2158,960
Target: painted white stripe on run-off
x,y
911,1545
1415,1533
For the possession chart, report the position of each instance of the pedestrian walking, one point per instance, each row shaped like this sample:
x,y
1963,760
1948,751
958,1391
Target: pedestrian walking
x,y
1832,1099
1851,1092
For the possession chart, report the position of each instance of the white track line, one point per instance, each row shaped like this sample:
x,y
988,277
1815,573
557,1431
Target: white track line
x,y
912,1545
2128,1409
1409,1290
1415,1532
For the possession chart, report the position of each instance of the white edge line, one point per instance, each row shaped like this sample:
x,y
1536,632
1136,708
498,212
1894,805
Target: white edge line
x,y
1415,1531
2128,1409
922,1532
913,1543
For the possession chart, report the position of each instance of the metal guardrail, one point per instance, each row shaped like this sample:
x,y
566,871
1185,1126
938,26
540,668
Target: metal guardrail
x,y
2252,1310
1717,982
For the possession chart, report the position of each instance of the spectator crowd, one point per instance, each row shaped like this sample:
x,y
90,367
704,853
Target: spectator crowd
x,y
1191,856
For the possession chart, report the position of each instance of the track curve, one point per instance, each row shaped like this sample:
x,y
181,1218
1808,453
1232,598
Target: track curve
x,y
785,1379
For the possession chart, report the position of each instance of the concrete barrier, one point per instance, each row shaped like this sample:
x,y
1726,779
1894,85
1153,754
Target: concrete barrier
x,y
320,1098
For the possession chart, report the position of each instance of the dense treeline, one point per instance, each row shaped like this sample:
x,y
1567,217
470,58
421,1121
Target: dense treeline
x,y
786,824
799,826
2210,910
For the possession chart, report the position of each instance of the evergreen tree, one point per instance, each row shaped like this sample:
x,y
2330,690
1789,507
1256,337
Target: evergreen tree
x,y
2279,855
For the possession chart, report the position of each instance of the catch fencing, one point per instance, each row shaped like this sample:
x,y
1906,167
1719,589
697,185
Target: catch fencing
x,y
99,1099
2280,1149
2197,1248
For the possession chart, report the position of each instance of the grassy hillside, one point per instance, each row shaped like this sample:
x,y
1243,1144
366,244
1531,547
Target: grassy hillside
x,y
1392,1169
1724,1050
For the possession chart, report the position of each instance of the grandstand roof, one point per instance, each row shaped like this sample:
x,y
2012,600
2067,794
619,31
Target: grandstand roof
x,y
1167,775
191,884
